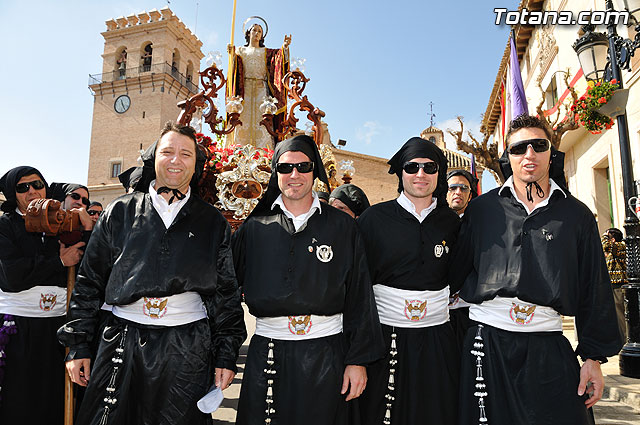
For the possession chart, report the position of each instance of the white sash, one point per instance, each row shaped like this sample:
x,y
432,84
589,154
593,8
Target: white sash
x,y
174,310
512,314
295,328
411,309
39,301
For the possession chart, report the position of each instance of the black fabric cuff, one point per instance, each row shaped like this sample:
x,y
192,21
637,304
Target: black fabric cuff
x,y
599,359
226,364
79,352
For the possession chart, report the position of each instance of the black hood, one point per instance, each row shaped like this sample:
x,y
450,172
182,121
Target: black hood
x,y
353,197
556,171
301,143
417,147
59,191
473,181
8,185
149,170
130,177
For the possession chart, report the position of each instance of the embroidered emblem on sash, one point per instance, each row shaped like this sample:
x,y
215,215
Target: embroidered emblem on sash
x,y
415,310
48,301
521,314
300,325
454,299
155,308
324,253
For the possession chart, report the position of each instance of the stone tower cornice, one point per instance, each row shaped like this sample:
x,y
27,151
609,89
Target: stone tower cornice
x,y
151,21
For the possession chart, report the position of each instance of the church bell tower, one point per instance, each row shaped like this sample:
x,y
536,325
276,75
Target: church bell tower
x,y
150,63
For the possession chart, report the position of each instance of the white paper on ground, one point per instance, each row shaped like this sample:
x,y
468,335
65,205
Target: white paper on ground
x,y
211,400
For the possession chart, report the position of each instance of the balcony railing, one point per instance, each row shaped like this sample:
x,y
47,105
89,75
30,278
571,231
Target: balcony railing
x,y
142,70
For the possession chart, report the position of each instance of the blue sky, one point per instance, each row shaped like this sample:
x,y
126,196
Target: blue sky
x,y
374,67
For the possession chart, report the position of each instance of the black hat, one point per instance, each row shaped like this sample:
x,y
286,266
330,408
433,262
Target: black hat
x,y
8,185
353,197
59,191
301,143
417,147
473,181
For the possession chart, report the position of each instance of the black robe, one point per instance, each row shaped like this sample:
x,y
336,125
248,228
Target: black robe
x,y
401,254
553,258
34,371
165,370
281,276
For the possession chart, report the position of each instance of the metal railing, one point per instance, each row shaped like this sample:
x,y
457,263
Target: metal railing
x,y
143,70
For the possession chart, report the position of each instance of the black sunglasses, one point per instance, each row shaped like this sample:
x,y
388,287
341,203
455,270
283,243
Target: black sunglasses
x,y
77,197
427,167
520,147
94,212
287,168
463,187
24,187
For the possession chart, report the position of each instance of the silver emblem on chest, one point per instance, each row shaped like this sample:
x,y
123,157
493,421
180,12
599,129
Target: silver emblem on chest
x,y
324,253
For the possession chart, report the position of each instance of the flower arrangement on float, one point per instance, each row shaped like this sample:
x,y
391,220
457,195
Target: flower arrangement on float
x,y
588,107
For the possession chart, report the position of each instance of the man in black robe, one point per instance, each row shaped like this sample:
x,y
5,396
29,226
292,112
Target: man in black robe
x,y
163,260
463,187
32,307
408,243
303,271
531,254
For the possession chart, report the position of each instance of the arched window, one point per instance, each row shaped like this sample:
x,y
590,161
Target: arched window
x,y
175,63
432,139
121,63
146,58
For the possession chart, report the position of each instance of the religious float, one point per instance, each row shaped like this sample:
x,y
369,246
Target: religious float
x,y
262,96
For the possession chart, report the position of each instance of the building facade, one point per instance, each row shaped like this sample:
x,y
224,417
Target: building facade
x,y
592,161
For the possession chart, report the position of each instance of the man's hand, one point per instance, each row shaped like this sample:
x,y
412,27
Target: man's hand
x,y
70,256
85,218
356,378
590,373
224,378
79,370
230,48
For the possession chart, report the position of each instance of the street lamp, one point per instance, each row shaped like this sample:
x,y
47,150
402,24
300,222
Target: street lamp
x,y
588,47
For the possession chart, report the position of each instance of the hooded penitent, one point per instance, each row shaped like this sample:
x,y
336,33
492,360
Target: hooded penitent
x,y
473,181
301,143
353,197
556,172
8,185
420,148
59,191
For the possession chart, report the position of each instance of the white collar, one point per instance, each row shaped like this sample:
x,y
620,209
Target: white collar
x,y
160,201
300,221
408,205
18,211
553,186
315,205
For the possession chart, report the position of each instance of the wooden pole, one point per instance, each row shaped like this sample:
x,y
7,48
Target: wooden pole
x,y
68,384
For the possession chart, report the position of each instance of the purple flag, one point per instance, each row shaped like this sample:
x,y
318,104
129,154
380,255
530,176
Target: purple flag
x,y
516,88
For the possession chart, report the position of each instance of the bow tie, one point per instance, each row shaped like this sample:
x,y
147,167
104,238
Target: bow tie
x,y
176,193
